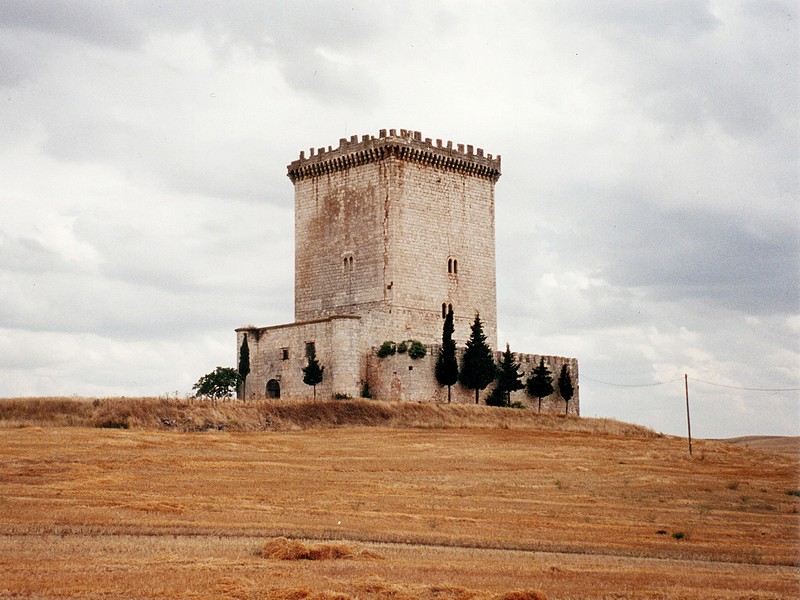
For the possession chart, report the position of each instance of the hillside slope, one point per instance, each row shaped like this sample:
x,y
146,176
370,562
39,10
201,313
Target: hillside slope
x,y
287,415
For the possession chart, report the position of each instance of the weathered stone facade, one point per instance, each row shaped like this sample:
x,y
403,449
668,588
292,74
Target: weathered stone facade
x,y
400,377
278,354
389,232
378,221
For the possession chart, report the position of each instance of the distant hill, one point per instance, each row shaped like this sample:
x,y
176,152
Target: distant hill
x,y
768,443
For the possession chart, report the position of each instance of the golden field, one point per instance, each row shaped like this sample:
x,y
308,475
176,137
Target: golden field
x,y
381,501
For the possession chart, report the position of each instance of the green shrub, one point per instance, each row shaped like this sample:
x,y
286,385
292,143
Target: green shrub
x,y
387,348
679,535
793,493
402,347
416,349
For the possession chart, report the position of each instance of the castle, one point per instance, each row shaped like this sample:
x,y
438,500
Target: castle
x,y
390,233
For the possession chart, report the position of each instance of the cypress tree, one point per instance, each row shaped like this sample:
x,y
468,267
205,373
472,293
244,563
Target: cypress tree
x,y
244,365
508,376
447,364
477,367
312,373
565,386
540,383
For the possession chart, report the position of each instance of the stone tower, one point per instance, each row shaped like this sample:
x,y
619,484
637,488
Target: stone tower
x,y
395,229
390,231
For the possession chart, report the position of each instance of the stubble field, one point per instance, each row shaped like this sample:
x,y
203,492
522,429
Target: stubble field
x,y
457,512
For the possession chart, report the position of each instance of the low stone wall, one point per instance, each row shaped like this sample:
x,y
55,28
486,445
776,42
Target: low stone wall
x,y
400,378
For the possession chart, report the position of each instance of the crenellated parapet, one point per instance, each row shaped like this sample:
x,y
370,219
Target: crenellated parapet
x,y
407,145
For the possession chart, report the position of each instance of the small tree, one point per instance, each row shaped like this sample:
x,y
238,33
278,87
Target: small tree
x,y
540,383
508,377
496,398
312,373
244,365
220,383
477,366
565,387
447,364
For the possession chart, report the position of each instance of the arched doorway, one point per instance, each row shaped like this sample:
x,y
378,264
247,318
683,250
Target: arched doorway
x,y
273,389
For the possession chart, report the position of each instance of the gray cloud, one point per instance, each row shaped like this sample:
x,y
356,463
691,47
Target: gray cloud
x,y
690,253
676,21
94,22
27,255
688,64
293,34
646,218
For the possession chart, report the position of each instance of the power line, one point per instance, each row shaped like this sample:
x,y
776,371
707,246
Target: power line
x,y
657,383
749,389
582,376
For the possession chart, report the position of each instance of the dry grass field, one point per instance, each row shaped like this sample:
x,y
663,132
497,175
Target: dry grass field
x,y
348,500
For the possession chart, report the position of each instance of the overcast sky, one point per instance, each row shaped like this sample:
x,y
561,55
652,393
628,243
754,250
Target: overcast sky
x,y
647,216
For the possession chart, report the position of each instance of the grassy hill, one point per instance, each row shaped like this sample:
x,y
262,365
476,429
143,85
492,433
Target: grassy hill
x,y
286,415
381,501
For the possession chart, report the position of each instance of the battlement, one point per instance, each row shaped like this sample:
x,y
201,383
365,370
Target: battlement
x,y
405,145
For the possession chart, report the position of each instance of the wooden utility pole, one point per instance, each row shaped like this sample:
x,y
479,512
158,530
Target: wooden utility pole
x,y
688,420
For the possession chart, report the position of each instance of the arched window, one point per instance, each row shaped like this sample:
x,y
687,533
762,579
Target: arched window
x,y
273,389
452,266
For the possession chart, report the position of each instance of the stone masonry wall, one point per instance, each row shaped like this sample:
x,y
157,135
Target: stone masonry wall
x,y
336,343
394,228
401,378
442,249
339,242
